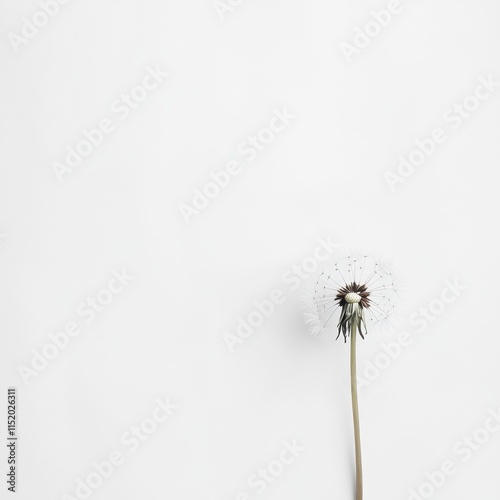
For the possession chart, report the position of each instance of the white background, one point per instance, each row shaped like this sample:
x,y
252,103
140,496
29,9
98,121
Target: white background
x,y
323,176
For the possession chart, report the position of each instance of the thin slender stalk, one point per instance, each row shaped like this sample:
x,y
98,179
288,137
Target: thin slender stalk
x,y
355,414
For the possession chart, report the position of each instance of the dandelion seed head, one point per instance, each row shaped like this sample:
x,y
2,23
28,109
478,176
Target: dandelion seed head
x,y
355,287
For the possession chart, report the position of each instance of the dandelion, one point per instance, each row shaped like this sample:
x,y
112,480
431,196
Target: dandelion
x,y
355,294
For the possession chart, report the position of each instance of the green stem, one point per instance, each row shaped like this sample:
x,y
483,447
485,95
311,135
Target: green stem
x,y
355,415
